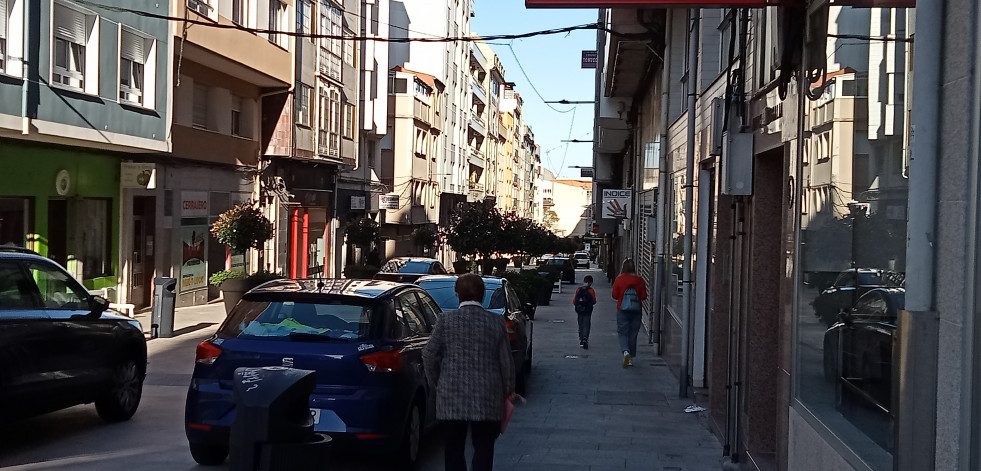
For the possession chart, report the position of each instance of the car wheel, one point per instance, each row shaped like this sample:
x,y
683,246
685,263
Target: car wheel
x,y
408,454
208,455
125,391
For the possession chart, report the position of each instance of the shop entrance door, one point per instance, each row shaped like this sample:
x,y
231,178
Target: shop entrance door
x,y
308,242
143,244
58,231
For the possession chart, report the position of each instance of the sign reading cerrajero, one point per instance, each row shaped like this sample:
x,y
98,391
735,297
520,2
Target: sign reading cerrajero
x,y
616,204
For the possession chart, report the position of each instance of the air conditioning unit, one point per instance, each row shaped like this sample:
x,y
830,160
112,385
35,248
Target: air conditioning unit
x,y
736,174
200,6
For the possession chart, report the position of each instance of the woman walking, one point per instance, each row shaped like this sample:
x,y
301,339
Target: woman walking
x,y
629,290
468,358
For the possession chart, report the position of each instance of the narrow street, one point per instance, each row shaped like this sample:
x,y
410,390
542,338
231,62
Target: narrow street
x,y
584,411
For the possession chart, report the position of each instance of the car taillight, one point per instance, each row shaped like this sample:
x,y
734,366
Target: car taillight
x,y
512,333
206,353
384,361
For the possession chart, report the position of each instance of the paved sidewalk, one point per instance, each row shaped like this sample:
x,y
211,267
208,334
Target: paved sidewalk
x,y
586,412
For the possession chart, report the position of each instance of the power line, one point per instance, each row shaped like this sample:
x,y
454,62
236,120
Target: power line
x,y
212,24
566,151
533,87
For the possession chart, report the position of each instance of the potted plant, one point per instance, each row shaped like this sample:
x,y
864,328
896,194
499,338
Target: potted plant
x,y
241,228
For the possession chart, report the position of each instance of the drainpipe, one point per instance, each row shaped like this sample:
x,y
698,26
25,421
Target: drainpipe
x,y
25,70
662,182
689,196
916,415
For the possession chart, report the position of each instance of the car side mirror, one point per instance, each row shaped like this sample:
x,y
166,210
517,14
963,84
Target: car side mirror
x,y
98,304
529,310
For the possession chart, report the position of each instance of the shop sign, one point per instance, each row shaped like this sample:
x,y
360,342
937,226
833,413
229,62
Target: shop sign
x,y
194,204
358,203
194,270
137,175
388,201
586,172
589,59
616,204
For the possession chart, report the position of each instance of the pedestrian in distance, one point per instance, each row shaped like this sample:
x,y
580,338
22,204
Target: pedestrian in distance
x,y
609,271
468,360
584,300
629,290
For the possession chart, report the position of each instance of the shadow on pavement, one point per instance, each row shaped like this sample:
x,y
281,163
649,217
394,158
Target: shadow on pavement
x,y
192,328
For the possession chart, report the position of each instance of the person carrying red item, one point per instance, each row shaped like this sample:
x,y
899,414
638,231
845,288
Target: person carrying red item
x,y
629,290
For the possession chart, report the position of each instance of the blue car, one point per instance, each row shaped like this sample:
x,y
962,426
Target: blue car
x,y
500,298
364,339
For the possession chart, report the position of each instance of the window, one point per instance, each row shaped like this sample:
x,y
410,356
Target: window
x,y
93,236
236,116
349,48
199,118
306,18
238,12
331,50
277,16
4,15
329,110
399,85
202,7
57,289
76,49
303,98
335,121
137,68
349,121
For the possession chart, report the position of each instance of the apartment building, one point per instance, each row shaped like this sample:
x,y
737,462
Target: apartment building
x,y
477,142
315,138
230,86
409,158
84,90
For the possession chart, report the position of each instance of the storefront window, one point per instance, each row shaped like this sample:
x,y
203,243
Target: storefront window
x,y
676,225
853,229
14,221
93,231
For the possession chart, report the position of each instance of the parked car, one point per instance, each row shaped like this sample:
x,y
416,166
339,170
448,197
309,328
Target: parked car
x,y
500,298
581,259
61,346
848,287
364,338
409,269
858,348
565,264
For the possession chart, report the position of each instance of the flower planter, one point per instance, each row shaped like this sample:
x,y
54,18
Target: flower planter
x,y
460,267
232,290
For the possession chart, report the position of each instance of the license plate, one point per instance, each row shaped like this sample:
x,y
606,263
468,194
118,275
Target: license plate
x,y
315,413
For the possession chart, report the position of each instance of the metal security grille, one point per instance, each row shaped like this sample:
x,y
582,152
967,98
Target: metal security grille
x,y
645,248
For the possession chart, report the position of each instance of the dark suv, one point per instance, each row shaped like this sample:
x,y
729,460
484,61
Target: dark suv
x,y
61,346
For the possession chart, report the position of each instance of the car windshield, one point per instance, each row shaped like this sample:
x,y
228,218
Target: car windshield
x,y
557,261
581,255
445,295
278,319
402,266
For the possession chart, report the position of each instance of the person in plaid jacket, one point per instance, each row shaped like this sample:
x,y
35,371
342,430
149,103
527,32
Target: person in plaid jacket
x,y
468,358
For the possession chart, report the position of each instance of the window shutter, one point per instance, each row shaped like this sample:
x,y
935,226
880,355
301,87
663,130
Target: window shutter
x,y
3,20
132,47
69,24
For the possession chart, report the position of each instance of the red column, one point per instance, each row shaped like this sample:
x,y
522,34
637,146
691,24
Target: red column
x,y
294,233
305,248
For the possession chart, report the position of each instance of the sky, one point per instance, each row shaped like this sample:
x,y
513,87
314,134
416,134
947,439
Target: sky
x,y
553,67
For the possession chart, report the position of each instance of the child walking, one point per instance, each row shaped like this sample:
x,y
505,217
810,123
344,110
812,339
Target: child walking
x,y
584,300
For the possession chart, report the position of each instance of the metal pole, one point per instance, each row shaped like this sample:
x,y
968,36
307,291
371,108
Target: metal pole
x,y
662,181
689,196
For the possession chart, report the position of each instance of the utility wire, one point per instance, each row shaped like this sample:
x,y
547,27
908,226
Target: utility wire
x,y
566,151
533,87
497,37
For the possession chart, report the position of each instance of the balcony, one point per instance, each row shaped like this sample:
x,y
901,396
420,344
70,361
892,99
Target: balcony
x,y
421,111
478,92
477,124
476,158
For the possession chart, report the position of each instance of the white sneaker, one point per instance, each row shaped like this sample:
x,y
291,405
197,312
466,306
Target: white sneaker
x,y
626,359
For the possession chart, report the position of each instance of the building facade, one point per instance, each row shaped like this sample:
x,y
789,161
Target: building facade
x,y
82,91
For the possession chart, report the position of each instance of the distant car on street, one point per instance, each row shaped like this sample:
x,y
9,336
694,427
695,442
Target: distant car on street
x,y
858,348
565,264
364,338
61,346
500,298
581,259
848,287
409,269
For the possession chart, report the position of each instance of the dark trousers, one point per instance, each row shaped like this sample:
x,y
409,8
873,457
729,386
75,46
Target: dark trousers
x,y
484,435
585,321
